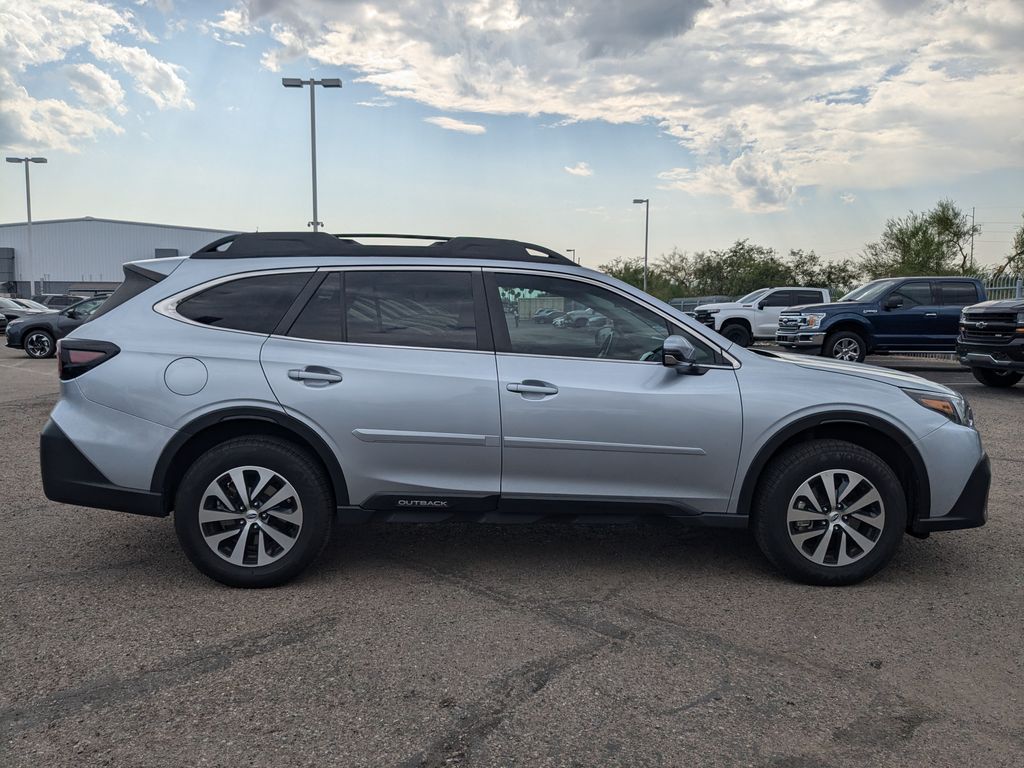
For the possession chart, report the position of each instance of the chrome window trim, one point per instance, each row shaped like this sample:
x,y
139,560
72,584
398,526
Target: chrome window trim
x,y
168,307
369,344
735,363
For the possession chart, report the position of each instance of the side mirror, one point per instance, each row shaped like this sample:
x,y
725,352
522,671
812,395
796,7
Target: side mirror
x,y
762,304
893,302
71,314
677,352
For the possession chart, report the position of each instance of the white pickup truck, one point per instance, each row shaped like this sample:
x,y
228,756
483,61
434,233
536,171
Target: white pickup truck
x,y
756,315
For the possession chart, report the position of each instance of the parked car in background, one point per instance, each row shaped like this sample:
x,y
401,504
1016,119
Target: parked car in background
x,y
29,304
688,304
903,314
57,300
991,341
261,397
755,317
12,309
39,332
547,315
577,318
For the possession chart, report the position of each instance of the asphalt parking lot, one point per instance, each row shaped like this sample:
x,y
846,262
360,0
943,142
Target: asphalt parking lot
x,y
502,646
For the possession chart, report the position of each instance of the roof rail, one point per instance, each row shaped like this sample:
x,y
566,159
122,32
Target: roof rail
x,y
270,244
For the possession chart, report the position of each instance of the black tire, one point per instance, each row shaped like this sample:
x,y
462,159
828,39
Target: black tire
x,y
39,344
737,333
779,484
312,489
843,344
993,378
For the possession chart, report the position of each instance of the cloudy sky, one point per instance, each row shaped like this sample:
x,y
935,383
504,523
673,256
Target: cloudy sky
x,y
796,123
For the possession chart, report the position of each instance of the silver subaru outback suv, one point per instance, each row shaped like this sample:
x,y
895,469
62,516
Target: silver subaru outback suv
x,y
272,384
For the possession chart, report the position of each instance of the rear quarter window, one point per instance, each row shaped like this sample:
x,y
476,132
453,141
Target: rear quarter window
x,y
254,304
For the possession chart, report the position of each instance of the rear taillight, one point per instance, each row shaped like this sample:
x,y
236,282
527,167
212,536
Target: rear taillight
x,y
76,356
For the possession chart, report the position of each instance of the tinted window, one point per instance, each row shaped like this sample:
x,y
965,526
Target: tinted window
x,y
321,317
779,299
86,308
596,323
914,294
959,294
254,304
412,309
807,297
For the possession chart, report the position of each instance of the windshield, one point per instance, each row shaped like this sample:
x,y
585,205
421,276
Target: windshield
x,y
29,304
750,298
869,291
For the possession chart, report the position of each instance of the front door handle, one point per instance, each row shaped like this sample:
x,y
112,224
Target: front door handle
x,y
533,388
315,375
931,314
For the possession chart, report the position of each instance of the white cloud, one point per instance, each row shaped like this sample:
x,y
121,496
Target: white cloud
x,y
451,124
580,169
235,21
45,32
847,198
376,102
764,96
96,88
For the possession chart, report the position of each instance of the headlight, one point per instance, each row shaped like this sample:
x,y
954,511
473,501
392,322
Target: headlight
x,y
813,319
1020,320
953,407
712,311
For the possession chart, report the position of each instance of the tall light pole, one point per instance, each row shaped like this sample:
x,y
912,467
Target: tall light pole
x,y
28,210
296,82
647,220
573,252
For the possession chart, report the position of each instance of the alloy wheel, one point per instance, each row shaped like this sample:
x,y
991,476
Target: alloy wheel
x,y
250,516
846,349
835,518
38,345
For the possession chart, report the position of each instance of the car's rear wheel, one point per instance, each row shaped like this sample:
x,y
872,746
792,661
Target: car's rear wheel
x,y
847,346
992,378
737,333
829,512
39,344
253,512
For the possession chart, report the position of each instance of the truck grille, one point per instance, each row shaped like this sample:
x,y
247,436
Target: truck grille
x,y
992,328
789,322
703,316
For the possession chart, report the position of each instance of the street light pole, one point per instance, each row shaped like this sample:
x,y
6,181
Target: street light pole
x,y
28,209
647,220
573,252
296,82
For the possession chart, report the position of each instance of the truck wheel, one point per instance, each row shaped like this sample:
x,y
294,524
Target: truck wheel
x,y
829,512
991,378
846,345
737,334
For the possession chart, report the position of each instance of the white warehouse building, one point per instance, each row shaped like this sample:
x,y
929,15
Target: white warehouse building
x,y
85,255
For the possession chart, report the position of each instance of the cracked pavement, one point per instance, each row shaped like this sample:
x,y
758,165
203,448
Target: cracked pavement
x,y
456,645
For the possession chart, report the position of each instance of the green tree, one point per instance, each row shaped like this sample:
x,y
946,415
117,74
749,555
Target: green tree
x,y
1014,264
936,242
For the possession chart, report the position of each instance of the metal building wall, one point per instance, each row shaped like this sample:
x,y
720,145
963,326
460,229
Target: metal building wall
x,y
88,250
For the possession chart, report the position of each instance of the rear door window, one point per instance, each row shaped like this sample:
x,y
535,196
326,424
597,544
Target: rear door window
x,y
807,297
416,308
254,304
958,293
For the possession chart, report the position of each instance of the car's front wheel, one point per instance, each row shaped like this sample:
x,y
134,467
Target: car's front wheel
x,y
253,512
993,378
39,344
847,346
829,512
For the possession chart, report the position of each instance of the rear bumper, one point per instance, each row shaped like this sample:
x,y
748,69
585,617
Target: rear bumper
x,y
69,477
970,509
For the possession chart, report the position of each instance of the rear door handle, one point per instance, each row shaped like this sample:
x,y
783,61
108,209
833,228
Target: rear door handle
x,y
315,375
532,388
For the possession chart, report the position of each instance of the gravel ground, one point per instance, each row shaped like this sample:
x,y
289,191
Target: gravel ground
x,y
502,646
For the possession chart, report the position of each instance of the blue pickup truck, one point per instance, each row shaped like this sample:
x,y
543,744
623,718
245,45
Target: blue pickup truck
x,y
900,314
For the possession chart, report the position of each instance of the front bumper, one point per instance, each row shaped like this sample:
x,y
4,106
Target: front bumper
x,y
13,337
971,507
1003,357
796,339
69,477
